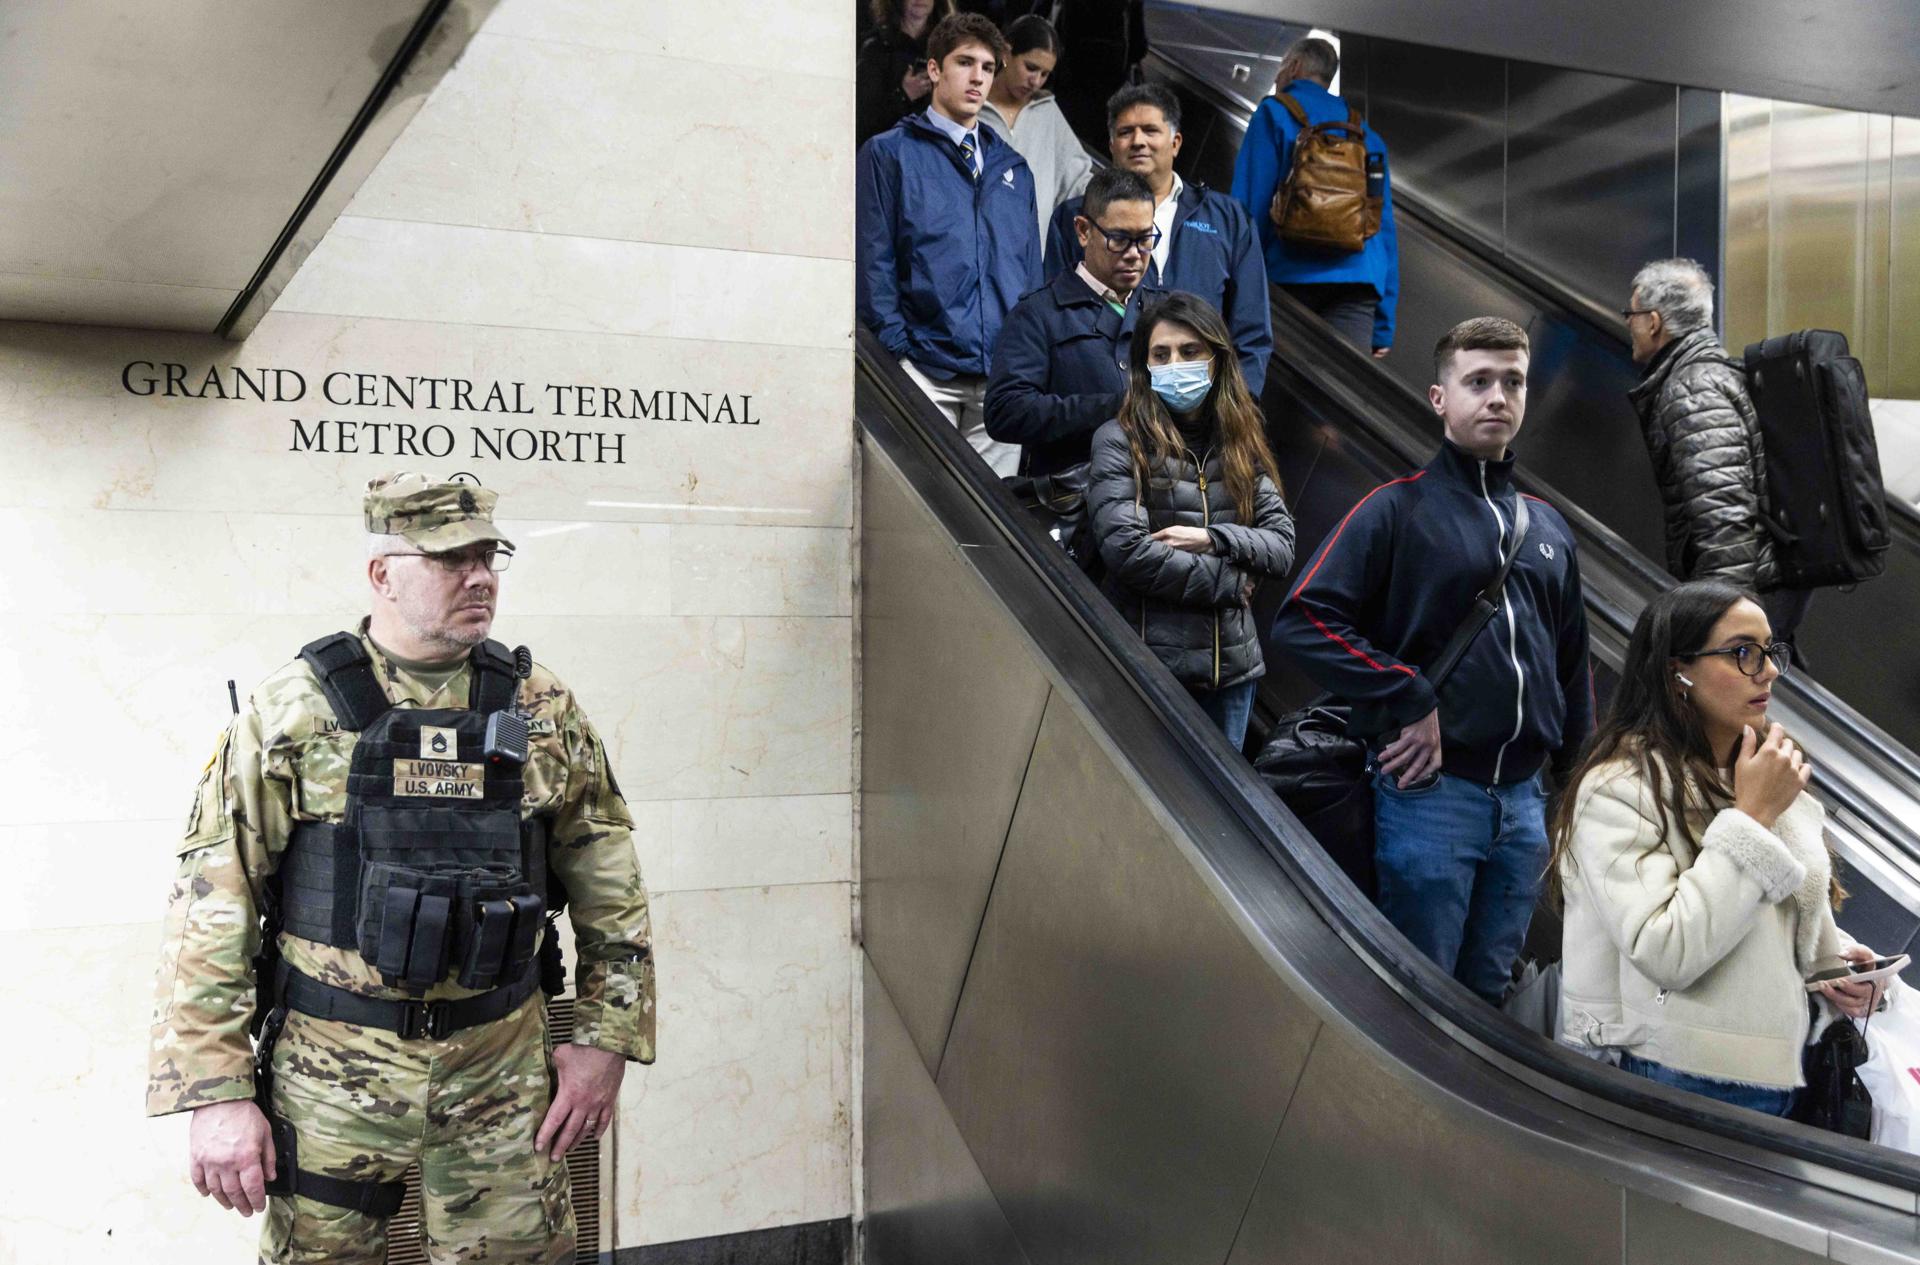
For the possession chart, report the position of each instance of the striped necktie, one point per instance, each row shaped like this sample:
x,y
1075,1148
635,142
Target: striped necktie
x,y
966,155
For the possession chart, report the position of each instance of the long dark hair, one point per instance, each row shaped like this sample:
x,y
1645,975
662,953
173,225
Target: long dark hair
x,y
1151,432
1650,724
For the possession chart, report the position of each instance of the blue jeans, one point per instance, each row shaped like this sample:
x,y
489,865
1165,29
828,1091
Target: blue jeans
x,y
1460,864
1230,708
1772,1102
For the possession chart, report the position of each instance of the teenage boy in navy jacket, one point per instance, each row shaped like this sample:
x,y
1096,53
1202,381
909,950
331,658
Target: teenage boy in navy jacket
x,y
1354,292
1206,247
1461,815
946,232
1061,364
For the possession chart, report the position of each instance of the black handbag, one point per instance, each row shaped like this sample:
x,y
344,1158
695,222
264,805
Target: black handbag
x,y
1319,770
1058,502
1834,1098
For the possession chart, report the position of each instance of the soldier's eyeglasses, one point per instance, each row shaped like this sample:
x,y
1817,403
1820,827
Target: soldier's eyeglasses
x,y
1749,656
464,561
1121,243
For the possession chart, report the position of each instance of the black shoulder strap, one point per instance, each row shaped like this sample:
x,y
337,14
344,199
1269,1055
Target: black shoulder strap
x,y
347,679
492,687
1486,603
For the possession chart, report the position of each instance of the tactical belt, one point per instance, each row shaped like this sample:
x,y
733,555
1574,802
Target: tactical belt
x,y
375,1199
410,1020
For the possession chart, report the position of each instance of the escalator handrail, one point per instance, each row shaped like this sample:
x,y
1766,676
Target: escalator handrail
x,y
1702,1124
1545,289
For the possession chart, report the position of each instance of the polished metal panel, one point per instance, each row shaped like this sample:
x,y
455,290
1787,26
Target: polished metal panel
x,y
1122,1056
153,155
926,1201
1856,56
1660,1233
952,704
1441,114
1368,1169
1699,190
1823,217
1590,175
1903,263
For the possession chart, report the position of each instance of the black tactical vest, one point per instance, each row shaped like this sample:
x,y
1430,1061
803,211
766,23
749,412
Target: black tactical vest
x,y
431,868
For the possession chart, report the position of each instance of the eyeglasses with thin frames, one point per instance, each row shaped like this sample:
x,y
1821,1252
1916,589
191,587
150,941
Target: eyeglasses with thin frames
x,y
1631,312
1749,656
461,562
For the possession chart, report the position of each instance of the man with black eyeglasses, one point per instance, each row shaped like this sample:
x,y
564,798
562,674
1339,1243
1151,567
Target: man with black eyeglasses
x,y
1060,366
1206,245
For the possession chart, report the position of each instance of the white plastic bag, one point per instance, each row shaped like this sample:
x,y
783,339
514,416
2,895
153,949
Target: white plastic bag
x,y
1892,1071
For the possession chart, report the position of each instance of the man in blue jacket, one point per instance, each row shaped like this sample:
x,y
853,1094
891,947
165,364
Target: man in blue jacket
x,y
1461,837
1354,292
946,236
1061,364
1206,247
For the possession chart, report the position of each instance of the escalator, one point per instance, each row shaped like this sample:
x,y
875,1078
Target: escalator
x,y
1342,423
1119,1007
1582,444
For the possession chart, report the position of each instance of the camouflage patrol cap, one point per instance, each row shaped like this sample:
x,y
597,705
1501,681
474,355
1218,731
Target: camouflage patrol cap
x,y
437,517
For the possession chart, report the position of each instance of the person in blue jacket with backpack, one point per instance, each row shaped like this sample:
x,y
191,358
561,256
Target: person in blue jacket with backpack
x,y
946,233
1355,292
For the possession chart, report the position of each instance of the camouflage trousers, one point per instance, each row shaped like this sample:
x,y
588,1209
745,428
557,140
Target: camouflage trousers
x,y
367,1105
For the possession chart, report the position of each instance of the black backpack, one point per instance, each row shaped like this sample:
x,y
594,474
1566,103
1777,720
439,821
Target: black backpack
x,y
1828,511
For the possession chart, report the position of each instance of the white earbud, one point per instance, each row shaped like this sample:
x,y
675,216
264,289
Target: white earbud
x,y
1682,677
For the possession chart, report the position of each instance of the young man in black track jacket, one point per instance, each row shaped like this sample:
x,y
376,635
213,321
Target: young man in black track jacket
x,y
1460,809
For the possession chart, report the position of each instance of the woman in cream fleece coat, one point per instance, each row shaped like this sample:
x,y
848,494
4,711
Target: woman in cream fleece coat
x,y
1694,868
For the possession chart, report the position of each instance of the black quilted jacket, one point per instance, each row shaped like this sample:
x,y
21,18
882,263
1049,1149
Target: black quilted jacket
x,y
1708,455
1193,610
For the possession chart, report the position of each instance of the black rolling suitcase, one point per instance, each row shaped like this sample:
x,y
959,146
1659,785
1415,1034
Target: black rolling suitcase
x,y
1828,512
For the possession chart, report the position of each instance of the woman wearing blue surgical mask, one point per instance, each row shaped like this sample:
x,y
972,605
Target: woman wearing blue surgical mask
x,y
1186,506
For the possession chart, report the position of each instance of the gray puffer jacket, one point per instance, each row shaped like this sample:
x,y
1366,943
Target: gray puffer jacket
x,y
1193,610
1708,454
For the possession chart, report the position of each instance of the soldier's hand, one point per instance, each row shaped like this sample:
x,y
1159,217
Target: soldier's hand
x,y
231,1151
583,1101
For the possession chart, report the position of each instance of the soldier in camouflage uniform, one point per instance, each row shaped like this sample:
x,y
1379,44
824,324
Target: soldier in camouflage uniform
x,y
486,1111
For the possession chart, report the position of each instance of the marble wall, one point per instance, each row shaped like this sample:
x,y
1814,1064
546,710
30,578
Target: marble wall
x,y
644,195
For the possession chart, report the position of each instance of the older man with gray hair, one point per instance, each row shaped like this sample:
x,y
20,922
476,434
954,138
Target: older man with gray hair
x,y
1704,438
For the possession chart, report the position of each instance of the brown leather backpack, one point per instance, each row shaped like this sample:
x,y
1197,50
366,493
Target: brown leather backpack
x,y
1323,202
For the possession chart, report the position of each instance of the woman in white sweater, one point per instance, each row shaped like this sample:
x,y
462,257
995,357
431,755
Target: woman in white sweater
x,y
1694,867
1020,109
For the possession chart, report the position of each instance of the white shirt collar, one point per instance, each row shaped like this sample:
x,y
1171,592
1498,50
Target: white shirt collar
x,y
1163,213
960,135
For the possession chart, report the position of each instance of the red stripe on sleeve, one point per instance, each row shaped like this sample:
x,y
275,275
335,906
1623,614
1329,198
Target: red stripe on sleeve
x,y
1327,632
1335,538
1353,650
